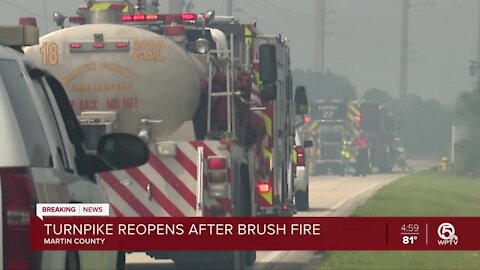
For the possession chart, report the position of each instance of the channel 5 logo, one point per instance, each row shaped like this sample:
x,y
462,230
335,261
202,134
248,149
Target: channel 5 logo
x,y
446,232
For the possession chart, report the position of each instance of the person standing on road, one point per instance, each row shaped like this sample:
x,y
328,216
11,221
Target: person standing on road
x,y
362,163
346,155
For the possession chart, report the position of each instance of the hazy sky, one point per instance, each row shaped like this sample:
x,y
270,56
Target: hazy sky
x,y
364,44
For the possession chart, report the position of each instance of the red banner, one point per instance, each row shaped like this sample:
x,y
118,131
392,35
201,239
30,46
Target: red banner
x,y
299,233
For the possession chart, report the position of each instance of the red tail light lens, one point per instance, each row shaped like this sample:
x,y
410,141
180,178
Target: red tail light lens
x,y
217,163
127,18
18,204
75,45
151,17
188,16
121,45
300,156
98,45
263,187
139,17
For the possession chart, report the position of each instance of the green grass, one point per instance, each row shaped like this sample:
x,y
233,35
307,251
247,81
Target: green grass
x,y
426,194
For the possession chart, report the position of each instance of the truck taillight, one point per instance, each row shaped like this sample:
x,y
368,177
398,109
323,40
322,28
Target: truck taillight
x,y
217,177
121,45
75,45
127,18
263,187
98,45
151,17
300,156
217,163
188,16
18,204
140,17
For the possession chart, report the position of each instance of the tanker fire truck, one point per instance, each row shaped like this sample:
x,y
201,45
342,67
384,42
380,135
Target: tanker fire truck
x,y
333,120
155,75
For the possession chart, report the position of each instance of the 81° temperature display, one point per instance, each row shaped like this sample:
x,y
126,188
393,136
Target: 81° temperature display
x,y
409,233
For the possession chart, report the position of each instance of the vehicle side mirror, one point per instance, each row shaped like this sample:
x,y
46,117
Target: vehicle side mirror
x,y
307,144
268,63
301,102
269,92
121,151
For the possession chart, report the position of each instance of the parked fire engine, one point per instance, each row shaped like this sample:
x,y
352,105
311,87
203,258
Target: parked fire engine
x,y
275,192
327,131
333,120
155,76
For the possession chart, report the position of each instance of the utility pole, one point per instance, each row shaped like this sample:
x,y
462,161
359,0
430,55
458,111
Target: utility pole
x,y
404,51
175,6
319,47
477,81
229,7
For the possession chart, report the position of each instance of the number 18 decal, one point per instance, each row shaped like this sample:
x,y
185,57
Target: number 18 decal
x,y
49,53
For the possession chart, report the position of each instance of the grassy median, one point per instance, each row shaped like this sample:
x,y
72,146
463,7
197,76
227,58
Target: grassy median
x,y
427,194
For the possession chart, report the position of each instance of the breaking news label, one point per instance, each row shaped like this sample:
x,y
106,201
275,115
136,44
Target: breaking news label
x,y
90,227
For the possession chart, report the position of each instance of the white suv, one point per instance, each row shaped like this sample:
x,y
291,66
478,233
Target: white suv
x,y
301,182
43,159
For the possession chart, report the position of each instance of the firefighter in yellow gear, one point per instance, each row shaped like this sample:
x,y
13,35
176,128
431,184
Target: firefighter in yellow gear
x,y
444,163
346,155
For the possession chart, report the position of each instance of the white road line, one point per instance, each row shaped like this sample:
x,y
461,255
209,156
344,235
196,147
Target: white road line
x,y
275,254
270,257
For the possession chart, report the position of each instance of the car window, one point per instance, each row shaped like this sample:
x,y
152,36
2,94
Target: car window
x,y
59,141
25,111
74,130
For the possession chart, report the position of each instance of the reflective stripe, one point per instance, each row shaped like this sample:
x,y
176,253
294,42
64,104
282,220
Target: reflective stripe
x,y
109,6
248,35
100,6
294,157
268,124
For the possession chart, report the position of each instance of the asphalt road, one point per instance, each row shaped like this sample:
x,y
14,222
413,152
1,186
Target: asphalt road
x,y
330,195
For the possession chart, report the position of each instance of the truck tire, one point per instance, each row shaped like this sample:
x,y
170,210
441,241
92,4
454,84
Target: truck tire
x,y
72,261
302,200
120,260
250,258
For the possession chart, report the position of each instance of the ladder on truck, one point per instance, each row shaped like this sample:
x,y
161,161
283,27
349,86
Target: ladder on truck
x,y
227,65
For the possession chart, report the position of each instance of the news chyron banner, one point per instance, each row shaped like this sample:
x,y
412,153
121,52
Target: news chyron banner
x,y
90,227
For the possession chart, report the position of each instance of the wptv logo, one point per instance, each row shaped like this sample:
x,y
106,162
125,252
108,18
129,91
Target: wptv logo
x,y
446,232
